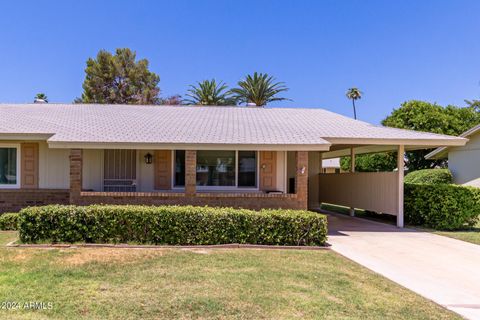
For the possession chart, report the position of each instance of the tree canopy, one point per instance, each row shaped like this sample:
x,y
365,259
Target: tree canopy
x,y
173,100
41,96
259,89
210,93
419,116
354,94
384,161
431,117
119,79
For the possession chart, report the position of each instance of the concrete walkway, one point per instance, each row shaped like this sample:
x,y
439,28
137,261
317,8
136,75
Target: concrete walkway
x,y
441,269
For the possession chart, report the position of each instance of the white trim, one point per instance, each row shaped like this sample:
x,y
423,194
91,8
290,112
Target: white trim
x,y
189,146
352,170
26,136
400,196
236,168
285,171
18,183
433,142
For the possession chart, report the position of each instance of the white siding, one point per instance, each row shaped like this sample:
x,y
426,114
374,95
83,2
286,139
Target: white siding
x,y
464,162
93,169
54,167
281,170
145,173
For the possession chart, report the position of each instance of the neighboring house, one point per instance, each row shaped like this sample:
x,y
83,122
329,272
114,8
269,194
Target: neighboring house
x,y
331,166
463,161
219,156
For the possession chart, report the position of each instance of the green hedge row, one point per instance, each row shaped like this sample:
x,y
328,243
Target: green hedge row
x,y
174,225
8,221
429,176
442,206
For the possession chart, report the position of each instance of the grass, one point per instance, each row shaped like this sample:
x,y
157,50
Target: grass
x,y
7,237
470,235
106,283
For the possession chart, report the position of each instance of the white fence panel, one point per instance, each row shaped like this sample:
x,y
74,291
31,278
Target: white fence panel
x,y
375,191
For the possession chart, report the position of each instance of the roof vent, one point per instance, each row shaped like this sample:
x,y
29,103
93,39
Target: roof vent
x,y
39,101
251,104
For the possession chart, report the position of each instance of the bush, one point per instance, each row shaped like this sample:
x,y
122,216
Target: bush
x,y
429,176
174,225
442,206
8,221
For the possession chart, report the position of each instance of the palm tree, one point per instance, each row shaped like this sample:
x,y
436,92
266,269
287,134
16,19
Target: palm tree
x,y
354,94
210,93
259,89
42,97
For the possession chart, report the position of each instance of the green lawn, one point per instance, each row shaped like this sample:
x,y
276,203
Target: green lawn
x,y
106,283
7,236
471,235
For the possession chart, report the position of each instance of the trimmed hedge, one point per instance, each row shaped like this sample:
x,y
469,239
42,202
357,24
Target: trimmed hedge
x,y
429,176
174,225
9,221
442,206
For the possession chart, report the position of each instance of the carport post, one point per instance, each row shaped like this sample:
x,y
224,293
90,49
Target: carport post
x,y
401,167
352,169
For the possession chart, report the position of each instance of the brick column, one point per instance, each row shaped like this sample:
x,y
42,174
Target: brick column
x,y
75,174
301,178
190,172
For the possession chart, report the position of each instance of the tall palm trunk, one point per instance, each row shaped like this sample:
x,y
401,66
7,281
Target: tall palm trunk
x,y
354,110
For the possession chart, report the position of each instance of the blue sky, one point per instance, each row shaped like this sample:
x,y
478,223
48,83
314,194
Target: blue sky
x,y
392,50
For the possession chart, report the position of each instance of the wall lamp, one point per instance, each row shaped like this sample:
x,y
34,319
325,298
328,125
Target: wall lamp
x,y
148,158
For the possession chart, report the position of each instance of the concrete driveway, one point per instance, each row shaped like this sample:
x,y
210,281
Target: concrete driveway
x,y
441,269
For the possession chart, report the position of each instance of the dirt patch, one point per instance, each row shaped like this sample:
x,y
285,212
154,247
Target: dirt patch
x,y
21,256
198,251
83,256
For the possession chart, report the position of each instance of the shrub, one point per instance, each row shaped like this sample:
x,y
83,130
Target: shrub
x,y
429,176
442,206
174,225
8,221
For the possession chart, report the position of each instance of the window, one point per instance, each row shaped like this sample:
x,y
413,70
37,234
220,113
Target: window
x,y
216,168
247,169
9,167
179,175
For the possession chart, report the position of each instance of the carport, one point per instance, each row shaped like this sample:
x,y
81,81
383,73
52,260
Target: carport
x,y
375,191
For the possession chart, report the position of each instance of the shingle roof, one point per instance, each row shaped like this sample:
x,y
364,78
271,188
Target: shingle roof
x,y
69,123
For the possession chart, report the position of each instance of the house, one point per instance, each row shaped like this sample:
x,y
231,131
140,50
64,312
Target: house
x,y
331,165
463,161
247,157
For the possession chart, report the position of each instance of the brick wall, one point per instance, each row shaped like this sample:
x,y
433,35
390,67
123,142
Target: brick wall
x,y
254,201
76,156
301,178
15,199
190,171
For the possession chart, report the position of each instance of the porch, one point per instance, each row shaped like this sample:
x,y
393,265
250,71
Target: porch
x,y
233,178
